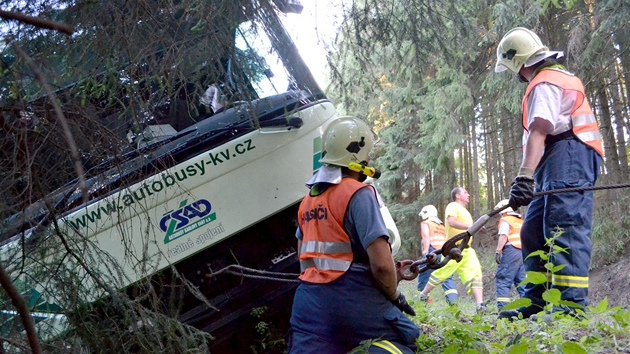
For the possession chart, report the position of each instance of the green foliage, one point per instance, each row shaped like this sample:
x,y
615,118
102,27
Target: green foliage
x,y
559,4
269,340
459,329
445,106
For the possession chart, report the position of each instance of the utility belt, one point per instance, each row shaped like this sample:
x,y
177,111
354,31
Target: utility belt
x,y
552,139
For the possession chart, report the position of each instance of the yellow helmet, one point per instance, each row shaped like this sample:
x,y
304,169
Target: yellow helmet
x,y
516,47
346,140
428,211
503,203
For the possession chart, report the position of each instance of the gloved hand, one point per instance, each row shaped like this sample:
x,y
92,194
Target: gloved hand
x,y
521,192
402,304
497,257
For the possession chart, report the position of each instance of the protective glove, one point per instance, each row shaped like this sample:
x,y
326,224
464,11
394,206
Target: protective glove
x,y
497,257
402,304
521,192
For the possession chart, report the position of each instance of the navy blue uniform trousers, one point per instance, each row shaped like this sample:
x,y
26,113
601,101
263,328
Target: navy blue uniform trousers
x,y
568,163
336,317
510,271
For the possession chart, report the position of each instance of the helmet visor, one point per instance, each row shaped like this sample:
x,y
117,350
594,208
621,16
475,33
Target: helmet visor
x,y
499,68
538,57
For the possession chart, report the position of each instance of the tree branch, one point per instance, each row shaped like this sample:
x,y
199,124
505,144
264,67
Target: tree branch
x,y
74,151
37,22
20,305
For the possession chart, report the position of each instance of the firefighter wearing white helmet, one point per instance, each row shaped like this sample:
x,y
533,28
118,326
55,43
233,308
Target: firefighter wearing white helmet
x,y
561,139
508,256
516,48
347,141
344,254
433,235
428,211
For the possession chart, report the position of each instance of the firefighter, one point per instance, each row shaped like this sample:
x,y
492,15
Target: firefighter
x,y
458,219
562,149
508,256
348,291
433,235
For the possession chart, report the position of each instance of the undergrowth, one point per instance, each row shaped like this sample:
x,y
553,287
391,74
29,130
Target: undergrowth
x,y
461,329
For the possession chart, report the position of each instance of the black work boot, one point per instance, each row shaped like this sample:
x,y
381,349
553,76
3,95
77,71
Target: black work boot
x,y
522,312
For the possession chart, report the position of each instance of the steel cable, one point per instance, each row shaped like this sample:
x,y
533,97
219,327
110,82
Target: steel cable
x,y
580,189
267,275
277,276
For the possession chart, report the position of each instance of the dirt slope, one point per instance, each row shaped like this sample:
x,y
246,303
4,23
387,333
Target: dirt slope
x,y
612,281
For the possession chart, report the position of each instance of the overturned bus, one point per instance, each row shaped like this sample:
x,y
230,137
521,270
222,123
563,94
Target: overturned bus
x,y
198,222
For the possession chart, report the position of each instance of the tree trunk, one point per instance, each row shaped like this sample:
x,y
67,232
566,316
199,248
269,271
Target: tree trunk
x,y
490,160
608,138
475,167
618,114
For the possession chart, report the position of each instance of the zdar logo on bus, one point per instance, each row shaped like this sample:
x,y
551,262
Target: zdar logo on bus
x,y
186,219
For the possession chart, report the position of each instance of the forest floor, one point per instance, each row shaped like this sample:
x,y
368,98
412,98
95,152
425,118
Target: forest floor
x,y
610,281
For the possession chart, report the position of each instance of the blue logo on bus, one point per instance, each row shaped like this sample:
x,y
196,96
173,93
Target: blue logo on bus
x,y
187,218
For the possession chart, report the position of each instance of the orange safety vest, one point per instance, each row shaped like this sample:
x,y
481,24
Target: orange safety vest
x,y
514,234
437,233
584,123
326,251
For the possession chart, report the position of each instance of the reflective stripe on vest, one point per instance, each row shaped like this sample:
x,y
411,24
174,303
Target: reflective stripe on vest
x,y
514,234
583,120
326,251
437,234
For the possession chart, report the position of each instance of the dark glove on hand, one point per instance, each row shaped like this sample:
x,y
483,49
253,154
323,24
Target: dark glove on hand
x,y
497,257
521,192
402,305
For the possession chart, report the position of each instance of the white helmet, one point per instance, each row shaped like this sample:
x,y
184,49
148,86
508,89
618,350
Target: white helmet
x,y
503,203
346,140
516,47
428,211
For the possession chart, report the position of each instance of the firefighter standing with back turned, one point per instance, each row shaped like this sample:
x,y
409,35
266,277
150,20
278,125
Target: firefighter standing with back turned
x,y
348,291
508,256
562,149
